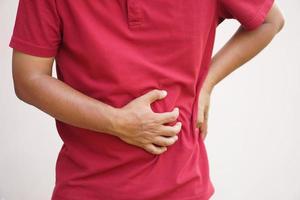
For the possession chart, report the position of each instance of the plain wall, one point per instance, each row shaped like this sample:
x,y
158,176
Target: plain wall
x,y
253,131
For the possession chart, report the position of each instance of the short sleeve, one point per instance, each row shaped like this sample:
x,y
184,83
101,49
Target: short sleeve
x,y
250,13
37,29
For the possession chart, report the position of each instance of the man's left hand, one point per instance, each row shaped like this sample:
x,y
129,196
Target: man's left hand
x,y
203,108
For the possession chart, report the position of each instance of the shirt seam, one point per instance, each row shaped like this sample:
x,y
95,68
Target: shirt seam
x,y
28,47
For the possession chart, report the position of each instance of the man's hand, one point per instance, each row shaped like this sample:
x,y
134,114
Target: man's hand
x,y
242,47
140,126
203,110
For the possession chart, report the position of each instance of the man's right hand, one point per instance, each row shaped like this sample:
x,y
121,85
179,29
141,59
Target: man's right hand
x,y
138,125
135,123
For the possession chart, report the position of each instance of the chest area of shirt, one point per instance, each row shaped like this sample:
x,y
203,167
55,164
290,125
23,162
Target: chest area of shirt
x,y
157,36
172,18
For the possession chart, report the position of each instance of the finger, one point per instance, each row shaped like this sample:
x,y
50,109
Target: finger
x,y
204,126
205,123
204,129
167,117
165,141
200,116
200,119
155,149
170,130
206,111
154,95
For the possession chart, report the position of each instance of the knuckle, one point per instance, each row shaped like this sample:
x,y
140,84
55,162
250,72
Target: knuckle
x,y
159,151
143,141
176,112
176,138
159,142
177,129
156,92
199,123
148,136
166,143
164,149
155,151
173,139
149,149
170,142
152,151
156,120
174,131
172,117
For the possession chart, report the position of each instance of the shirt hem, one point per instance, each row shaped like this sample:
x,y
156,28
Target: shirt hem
x,y
201,197
207,196
31,49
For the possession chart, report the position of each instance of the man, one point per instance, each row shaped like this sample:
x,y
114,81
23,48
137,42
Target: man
x,y
132,95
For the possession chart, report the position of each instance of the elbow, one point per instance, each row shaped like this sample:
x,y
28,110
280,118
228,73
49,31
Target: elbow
x,y
277,24
20,91
281,22
275,19
278,20
27,72
22,88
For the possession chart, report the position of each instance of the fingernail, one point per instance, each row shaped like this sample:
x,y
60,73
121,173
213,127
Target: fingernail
x,y
164,93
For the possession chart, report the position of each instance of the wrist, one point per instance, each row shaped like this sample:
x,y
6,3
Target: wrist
x,y
208,85
115,121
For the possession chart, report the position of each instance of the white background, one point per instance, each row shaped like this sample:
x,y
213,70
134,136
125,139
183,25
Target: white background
x,y
253,140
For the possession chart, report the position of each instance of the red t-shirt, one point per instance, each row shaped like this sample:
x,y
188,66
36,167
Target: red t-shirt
x,y
115,51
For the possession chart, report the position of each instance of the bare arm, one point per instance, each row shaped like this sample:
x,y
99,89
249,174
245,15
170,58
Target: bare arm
x,y
243,46
35,85
135,123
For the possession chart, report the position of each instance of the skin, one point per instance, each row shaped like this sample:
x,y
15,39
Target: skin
x,y
242,46
135,123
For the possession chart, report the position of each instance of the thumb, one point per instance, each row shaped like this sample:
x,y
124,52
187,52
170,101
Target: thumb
x,y
200,119
154,95
206,111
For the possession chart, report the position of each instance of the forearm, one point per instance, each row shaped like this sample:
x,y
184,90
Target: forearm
x,y
66,104
243,46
